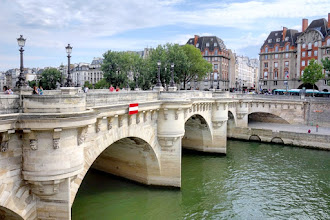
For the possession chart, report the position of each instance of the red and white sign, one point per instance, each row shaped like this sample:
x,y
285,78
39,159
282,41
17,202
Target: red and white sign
x,y
133,108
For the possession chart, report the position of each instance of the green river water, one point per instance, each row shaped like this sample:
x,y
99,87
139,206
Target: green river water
x,y
253,181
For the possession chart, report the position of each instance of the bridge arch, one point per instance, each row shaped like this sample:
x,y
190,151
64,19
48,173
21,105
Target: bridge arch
x,y
266,117
7,214
198,133
231,123
132,157
277,140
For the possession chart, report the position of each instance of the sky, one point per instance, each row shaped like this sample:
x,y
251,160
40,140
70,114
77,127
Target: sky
x,y
93,27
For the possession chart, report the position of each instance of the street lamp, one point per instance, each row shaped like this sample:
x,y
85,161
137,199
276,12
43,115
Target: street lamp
x,y
172,75
21,79
218,86
159,84
212,79
69,79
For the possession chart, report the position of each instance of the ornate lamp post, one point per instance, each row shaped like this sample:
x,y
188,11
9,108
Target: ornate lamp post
x,y
159,84
212,79
172,75
69,79
218,86
21,79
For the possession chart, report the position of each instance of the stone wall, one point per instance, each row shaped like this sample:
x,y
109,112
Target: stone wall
x,y
9,104
319,112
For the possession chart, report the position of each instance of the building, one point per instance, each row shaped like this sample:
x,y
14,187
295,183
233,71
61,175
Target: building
x,y
215,52
246,73
83,72
285,54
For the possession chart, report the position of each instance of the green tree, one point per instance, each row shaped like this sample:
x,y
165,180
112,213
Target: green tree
x,y
32,83
326,67
312,73
117,66
50,78
102,84
88,84
197,66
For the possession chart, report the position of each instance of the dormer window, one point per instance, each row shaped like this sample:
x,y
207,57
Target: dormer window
x,y
275,34
266,50
315,44
215,44
197,45
276,49
287,47
207,44
190,41
286,38
269,41
211,39
278,39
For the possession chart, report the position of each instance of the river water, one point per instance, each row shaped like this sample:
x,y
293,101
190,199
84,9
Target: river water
x,y
253,181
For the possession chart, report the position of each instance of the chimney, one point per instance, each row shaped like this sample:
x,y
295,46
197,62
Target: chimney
x,y
196,39
284,32
328,20
304,24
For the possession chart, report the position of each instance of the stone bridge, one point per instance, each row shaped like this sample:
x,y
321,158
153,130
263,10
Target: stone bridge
x,y
49,142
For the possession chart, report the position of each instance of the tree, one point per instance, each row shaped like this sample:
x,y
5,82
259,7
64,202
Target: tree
x,y
326,67
49,78
312,73
118,65
102,84
88,84
197,66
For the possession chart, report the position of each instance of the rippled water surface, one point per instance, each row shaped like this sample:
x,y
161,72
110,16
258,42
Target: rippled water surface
x,y
253,181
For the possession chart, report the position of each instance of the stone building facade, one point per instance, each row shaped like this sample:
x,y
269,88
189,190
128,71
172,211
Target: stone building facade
x,y
285,54
215,52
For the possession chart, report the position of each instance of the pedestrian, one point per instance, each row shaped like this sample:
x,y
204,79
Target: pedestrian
x,y
309,131
85,89
117,89
40,90
317,128
111,89
35,90
5,90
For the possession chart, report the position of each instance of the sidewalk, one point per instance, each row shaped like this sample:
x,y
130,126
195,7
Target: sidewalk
x,y
289,127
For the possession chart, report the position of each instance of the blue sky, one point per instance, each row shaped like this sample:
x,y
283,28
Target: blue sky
x,y
92,27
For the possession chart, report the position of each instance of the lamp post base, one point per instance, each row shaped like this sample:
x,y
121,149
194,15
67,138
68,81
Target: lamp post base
x,y
172,89
158,88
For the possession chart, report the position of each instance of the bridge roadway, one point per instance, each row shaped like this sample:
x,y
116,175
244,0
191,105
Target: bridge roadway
x,y
49,142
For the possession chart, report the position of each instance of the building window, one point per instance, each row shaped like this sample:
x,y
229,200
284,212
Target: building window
x,y
207,44
269,41
276,56
309,53
278,39
266,57
302,72
266,50
215,44
215,66
286,75
286,38
328,42
304,46
216,52
265,75
265,83
309,46
215,58
276,64
286,64
328,51
315,44
308,62
197,45
315,53
275,74
287,55
287,47
206,53
266,65
275,83
303,54
276,49
303,63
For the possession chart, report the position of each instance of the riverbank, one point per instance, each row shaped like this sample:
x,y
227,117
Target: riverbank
x,y
287,134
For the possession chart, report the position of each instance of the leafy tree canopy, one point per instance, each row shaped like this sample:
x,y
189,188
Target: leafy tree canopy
x,y
50,78
312,73
326,65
